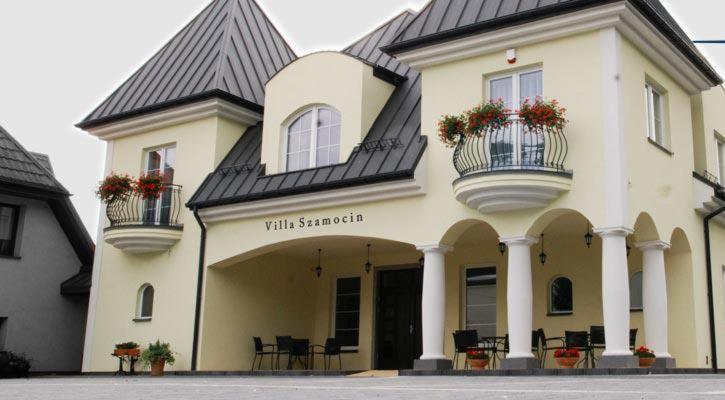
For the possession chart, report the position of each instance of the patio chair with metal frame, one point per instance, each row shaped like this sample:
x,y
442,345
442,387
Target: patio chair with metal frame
x,y
260,351
284,346
579,340
553,343
597,341
300,352
632,338
462,341
330,349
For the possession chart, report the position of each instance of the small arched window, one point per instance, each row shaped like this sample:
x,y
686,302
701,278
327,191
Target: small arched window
x,y
561,298
145,303
635,292
313,139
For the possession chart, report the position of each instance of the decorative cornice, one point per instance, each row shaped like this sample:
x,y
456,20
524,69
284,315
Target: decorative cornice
x,y
653,245
613,231
623,16
521,240
435,248
175,116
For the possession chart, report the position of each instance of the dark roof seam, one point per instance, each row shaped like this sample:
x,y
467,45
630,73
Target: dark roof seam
x,y
225,42
263,78
284,40
238,58
255,73
282,60
269,69
445,13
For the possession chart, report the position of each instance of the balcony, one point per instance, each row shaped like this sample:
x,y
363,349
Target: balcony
x,y
511,168
140,225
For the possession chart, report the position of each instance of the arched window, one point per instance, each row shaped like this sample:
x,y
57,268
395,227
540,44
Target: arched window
x,y
561,298
313,139
635,291
145,303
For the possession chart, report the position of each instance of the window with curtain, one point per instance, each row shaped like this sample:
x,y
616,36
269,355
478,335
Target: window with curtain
x,y
313,139
635,292
8,229
481,300
561,296
160,161
145,302
347,312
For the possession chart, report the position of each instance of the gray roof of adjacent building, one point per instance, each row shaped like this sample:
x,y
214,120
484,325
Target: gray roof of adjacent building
x,y
21,167
391,149
229,51
443,20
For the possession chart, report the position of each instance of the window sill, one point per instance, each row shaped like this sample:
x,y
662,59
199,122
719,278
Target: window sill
x,y
661,147
142,320
10,257
560,314
635,310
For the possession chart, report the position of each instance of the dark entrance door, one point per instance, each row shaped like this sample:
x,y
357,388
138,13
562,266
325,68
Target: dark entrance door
x,y
398,310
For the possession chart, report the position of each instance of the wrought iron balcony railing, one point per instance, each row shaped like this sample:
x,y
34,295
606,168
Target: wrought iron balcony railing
x,y
134,210
512,148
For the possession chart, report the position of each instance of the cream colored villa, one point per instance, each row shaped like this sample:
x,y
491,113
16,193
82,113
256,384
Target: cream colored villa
x,y
310,196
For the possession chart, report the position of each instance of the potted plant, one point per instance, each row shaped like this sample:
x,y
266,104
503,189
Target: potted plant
x,y
13,365
486,116
127,349
450,129
566,358
543,114
113,187
646,357
149,186
477,358
157,355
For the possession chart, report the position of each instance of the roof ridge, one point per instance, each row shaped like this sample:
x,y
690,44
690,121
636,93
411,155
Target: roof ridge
x,y
385,24
229,20
59,187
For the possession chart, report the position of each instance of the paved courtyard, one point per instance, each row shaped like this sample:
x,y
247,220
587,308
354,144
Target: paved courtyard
x,y
338,388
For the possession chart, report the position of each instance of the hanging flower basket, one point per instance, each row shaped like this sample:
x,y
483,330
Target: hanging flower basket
x,y
646,357
542,113
566,358
149,186
450,129
487,116
477,358
114,187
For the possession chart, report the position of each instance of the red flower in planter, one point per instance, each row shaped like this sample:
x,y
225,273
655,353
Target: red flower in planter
x,y
491,115
149,186
113,187
566,353
450,129
543,114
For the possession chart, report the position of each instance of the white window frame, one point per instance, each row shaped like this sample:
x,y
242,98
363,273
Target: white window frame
x,y
313,136
147,153
464,293
719,142
140,302
641,307
333,323
516,98
549,296
650,92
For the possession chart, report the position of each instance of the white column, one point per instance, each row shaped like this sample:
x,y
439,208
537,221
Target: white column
x,y
615,290
434,301
519,295
654,296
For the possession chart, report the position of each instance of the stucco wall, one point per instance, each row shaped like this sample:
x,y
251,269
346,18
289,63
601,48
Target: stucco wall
x,y
200,146
47,327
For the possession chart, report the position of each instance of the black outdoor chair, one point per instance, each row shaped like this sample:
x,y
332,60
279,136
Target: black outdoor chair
x,y
597,341
632,338
491,345
300,352
462,341
284,347
579,340
330,349
501,352
554,343
260,350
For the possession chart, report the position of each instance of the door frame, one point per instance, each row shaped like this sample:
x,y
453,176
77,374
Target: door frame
x,y
463,291
376,291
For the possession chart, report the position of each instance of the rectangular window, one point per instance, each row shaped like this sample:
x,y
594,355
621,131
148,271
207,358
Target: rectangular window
x,y
3,332
721,160
655,115
347,312
481,300
160,161
8,229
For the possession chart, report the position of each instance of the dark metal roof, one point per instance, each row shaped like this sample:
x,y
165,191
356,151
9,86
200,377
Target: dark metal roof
x,y
77,285
391,150
20,167
230,50
443,20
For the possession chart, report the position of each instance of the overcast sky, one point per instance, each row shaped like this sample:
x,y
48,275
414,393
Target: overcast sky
x,y
59,59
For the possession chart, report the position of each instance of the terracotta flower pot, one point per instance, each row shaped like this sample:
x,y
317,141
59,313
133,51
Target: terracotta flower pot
x,y
566,362
646,362
477,364
133,352
120,352
157,368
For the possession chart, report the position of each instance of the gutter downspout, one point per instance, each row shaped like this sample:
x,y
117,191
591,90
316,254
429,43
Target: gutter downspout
x,y
711,304
199,287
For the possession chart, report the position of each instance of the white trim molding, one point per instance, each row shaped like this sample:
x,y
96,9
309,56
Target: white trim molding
x,y
522,240
174,116
434,248
620,231
653,245
620,15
